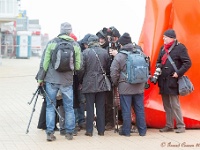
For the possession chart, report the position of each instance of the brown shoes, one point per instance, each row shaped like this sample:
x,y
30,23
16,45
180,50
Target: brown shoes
x,y
166,129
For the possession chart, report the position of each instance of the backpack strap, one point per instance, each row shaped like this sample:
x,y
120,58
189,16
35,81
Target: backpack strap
x,y
126,53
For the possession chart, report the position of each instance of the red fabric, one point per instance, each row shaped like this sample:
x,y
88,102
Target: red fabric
x,y
166,48
73,36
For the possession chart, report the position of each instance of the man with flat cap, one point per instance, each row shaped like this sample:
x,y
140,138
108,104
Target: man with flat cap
x,y
167,81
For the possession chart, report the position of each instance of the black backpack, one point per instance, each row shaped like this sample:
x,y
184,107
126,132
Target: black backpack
x,y
62,57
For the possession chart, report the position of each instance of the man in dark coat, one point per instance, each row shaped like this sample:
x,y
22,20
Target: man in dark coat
x,y
93,84
167,81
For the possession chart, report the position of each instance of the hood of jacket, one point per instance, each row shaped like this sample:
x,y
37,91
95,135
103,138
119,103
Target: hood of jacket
x,y
127,47
66,37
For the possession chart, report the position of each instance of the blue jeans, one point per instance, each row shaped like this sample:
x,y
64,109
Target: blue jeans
x,y
67,95
137,100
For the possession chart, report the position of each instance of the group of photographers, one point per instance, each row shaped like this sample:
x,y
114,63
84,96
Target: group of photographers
x,y
96,54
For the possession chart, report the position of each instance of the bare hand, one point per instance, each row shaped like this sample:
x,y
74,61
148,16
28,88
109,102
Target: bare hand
x,y
41,84
113,52
175,75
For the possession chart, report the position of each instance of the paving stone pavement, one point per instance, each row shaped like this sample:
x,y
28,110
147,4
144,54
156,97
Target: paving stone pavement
x,y
17,85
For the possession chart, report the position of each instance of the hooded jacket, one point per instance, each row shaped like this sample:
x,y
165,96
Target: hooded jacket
x,y
48,74
91,74
119,65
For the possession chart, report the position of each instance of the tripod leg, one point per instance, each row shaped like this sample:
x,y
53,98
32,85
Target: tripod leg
x,y
114,109
27,130
62,119
117,119
34,94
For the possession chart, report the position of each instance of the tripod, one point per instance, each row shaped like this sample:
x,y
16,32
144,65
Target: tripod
x,y
40,90
115,108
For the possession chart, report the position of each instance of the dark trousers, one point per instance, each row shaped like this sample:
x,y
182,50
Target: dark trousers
x,y
137,101
109,114
99,100
42,118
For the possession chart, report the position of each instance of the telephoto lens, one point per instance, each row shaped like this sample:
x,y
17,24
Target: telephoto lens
x,y
157,72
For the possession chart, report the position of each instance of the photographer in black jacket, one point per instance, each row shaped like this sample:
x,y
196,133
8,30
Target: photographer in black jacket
x,y
108,40
167,80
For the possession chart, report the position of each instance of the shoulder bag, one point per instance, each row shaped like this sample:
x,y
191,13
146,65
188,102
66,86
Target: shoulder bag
x,y
107,81
185,86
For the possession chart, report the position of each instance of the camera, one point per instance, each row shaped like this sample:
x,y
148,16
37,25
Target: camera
x,y
114,45
157,72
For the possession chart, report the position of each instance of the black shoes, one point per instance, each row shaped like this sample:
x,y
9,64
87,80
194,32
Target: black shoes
x,y
62,132
82,126
166,129
178,130
121,133
88,134
50,137
101,133
69,136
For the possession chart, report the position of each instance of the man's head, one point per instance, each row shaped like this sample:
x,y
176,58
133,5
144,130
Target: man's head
x,y
112,33
65,28
169,36
84,41
125,39
102,38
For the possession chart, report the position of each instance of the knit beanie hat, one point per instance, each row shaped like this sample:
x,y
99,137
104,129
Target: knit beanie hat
x,y
65,28
125,39
73,36
170,33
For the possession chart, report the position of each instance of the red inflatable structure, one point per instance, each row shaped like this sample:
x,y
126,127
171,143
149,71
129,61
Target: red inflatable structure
x,y
184,17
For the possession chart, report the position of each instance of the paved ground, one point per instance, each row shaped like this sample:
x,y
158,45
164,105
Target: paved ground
x,y
17,85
